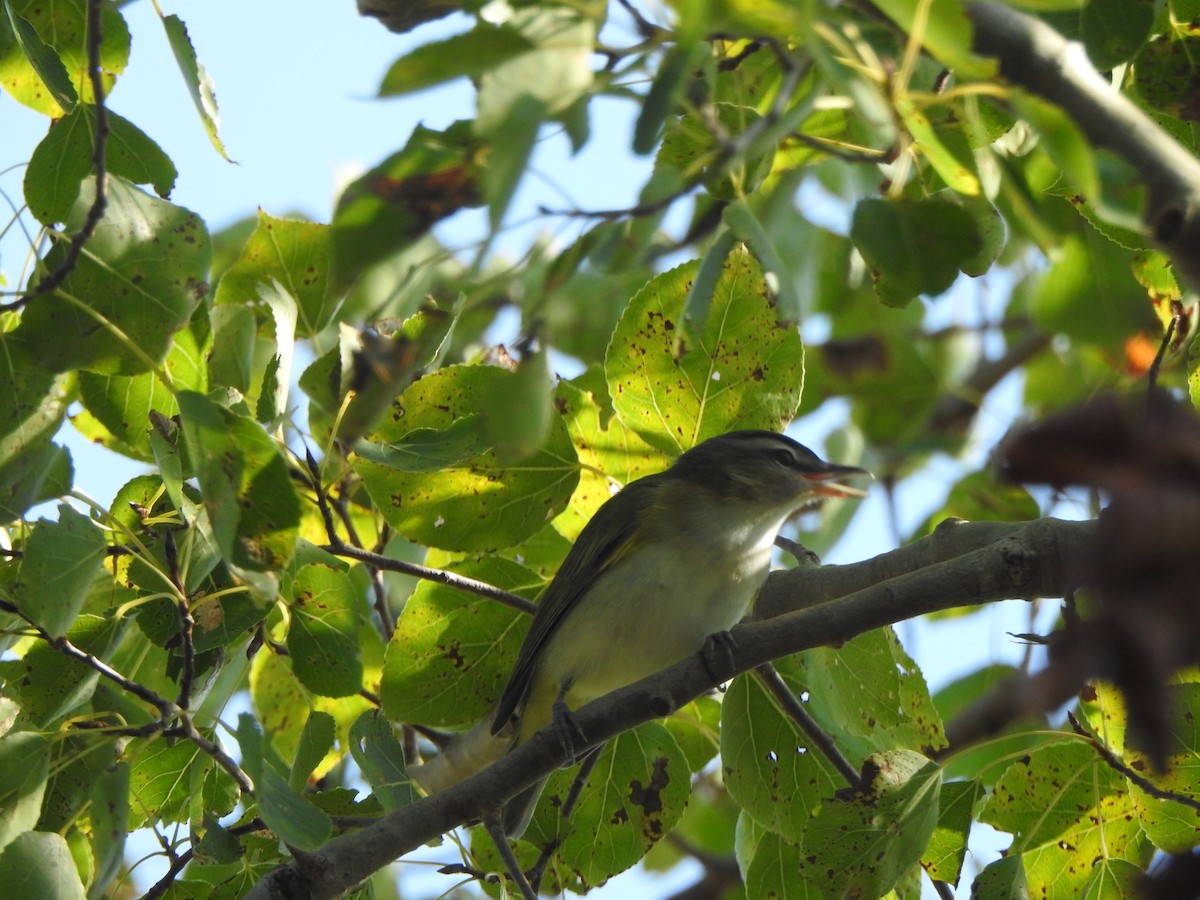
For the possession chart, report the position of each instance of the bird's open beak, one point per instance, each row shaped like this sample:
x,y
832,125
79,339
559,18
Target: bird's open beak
x,y
828,483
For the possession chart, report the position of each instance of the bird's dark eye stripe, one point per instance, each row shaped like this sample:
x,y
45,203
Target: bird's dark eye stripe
x,y
784,457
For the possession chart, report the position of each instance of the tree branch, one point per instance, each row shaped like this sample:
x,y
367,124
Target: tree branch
x,y
1036,57
958,565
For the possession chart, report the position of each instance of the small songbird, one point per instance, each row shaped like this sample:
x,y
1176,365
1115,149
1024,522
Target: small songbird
x,y
668,561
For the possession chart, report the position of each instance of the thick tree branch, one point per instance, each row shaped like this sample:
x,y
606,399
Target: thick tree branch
x,y
1036,57
959,565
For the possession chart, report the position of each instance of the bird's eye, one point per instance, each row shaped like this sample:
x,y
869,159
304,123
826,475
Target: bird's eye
x,y
784,457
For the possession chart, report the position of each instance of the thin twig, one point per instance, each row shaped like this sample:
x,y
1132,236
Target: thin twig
x,y
55,279
794,710
180,860
1152,372
1116,763
494,824
187,729
187,622
450,579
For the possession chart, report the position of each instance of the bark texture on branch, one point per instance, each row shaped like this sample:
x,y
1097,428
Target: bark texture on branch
x,y
1039,59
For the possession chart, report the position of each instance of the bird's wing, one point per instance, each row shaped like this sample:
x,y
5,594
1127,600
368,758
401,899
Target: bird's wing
x,y
586,561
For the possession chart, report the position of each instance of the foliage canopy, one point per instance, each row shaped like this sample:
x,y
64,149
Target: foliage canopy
x,y
352,487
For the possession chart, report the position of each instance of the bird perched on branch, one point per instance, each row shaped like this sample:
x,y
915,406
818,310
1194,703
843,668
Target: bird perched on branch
x,y
667,562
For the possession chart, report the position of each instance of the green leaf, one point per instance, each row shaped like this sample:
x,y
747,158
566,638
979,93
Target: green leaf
x,y
517,414
1167,77
746,226
434,176
198,83
764,757
1064,143
231,359
44,61
703,286
473,53
380,758
427,450
33,403
249,496
296,254
372,369
556,72
660,100
48,684
1048,795
746,370
913,247
482,504
941,138
62,30
293,819
117,408
509,158
632,799
1114,30
1002,880
1172,826
868,836
109,813
979,496
610,454
24,769
166,779
451,652
316,740
943,856
63,160
947,33
776,868
38,864
61,561
322,641
1089,294
144,271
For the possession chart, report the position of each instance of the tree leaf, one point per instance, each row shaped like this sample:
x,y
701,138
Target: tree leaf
x,y
39,864
245,484
62,29
48,684
61,561
144,272
63,160
451,652
913,247
471,53
294,819
199,85
869,835
296,254
42,58
380,758
481,504
322,641
117,408
943,856
24,769
434,176
746,370
633,797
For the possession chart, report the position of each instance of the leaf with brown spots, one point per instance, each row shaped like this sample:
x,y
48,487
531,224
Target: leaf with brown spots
x,y
633,798
746,370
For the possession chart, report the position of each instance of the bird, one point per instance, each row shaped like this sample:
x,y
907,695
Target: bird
x,y
668,561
